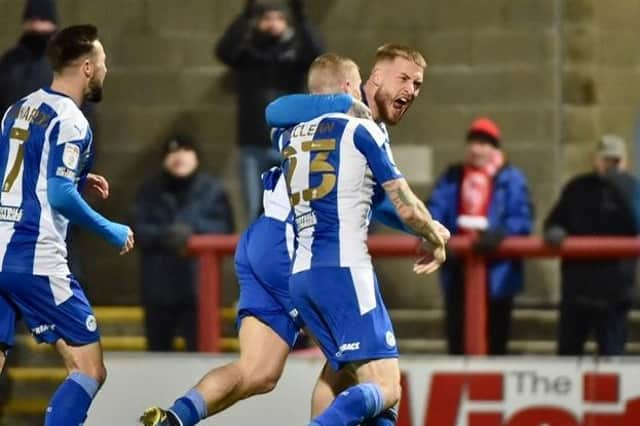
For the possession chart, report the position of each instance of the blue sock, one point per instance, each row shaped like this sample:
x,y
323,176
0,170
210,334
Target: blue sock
x,y
388,417
352,407
190,409
70,403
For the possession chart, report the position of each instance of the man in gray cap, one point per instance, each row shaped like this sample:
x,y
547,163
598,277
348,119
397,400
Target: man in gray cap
x,y
596,295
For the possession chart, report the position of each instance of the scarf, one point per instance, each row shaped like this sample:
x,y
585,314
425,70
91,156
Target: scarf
x,y
475,195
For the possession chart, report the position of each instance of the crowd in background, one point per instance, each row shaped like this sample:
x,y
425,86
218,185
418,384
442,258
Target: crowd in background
x,y
269,48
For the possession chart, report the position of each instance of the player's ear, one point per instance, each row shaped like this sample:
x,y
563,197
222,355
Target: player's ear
x,y
376,76
87,68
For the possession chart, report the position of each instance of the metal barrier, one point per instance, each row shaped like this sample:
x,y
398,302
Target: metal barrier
x,y
212,249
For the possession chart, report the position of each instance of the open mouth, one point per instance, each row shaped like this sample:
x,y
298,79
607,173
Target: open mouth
x,y
400,102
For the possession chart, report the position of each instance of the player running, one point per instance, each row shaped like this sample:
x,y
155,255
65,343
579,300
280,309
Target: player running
x,y
46,150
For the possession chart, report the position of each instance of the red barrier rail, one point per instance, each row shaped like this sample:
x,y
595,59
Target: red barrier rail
x,y
212,249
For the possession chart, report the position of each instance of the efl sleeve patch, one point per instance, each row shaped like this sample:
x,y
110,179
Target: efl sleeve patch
x,y
71,156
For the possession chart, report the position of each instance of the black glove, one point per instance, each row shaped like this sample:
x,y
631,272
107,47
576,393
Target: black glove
x,y
555,235
488,241
177,236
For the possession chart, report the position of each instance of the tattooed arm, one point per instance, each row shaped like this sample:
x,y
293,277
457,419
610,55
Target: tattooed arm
x,y
413,212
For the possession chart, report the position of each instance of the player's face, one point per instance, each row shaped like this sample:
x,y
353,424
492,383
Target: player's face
x,y
400,82
273,23
98,66
181,163
479,153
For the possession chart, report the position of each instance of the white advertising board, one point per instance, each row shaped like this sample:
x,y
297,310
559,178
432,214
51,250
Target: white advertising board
x,y
437,391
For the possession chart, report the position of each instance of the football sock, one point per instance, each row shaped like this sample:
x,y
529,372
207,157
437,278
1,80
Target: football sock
x,y
71,401
190,409
352,407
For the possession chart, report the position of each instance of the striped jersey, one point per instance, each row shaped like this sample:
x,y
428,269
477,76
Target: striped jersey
x,y
275,200
333,165
41,136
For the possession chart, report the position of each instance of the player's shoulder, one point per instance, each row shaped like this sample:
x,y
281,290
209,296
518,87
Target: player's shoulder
x,y
368,130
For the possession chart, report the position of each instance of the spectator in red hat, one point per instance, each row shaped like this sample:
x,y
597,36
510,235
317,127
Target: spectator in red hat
x,y
487,198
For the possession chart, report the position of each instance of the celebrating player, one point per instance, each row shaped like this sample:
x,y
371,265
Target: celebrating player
x,y
390,90
264,301
267,331
333,164
46,152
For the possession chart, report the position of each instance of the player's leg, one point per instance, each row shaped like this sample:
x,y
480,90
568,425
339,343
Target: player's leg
x,y
8,316
71,401
344,310
257,371
57,312
331,383
263,354
266,334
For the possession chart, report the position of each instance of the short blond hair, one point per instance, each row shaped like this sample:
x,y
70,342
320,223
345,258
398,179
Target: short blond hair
x,y
391,51
329,71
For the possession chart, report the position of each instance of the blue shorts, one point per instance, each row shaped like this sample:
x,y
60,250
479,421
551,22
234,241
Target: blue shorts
x,y
262,266
52,307
343,309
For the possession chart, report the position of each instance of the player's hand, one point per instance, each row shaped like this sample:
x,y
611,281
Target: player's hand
x,y
360,110
98,184
128,245
437,253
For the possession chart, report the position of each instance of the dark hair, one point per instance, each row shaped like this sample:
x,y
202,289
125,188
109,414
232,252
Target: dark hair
x,y
70,44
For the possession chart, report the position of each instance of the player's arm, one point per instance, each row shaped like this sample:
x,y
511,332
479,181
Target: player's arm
x,y
369,140
411,210
63,195
289,110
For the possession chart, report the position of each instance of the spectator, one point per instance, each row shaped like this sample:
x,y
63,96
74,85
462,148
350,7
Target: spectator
x,y
270,54
596,295
486,197
170,207
25,68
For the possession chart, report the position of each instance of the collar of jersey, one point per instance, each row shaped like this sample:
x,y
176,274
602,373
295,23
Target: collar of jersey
x,y
53,92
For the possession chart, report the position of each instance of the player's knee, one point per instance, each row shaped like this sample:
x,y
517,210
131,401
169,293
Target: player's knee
x,y
96,372
391,393
262,381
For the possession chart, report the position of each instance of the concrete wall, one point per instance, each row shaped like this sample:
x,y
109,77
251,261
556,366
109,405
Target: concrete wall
x,y
553,73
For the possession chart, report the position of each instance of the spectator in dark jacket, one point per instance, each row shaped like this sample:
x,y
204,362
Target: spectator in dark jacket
x,y
270,55
596,295
170,207
25,68
488,198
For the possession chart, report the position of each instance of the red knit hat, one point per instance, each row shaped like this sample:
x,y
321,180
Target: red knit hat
x,y
484,129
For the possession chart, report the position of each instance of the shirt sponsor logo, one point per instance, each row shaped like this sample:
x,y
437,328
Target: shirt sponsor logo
x,y
71,156
64,172
306,220
10,214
